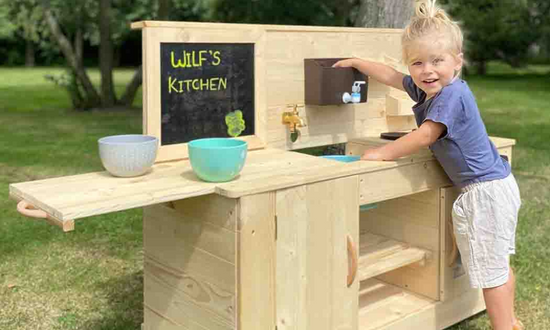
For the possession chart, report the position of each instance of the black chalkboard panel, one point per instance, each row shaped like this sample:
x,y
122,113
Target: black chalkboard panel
x,y
207,90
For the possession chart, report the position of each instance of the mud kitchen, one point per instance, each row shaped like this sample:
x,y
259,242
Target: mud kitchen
x,y
290,240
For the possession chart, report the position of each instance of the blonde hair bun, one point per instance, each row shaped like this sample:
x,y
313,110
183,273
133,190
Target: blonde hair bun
x,y
429,20
426,9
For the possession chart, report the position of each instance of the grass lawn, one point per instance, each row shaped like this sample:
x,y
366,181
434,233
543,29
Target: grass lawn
x,y
92,278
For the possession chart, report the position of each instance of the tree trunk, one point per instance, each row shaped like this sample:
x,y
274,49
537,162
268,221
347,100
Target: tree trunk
x,y
384,14
92,97
163,10
131,89
108,97
79,45
481,68
29,53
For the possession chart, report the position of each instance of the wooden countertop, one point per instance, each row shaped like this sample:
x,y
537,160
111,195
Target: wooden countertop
x,y
73,197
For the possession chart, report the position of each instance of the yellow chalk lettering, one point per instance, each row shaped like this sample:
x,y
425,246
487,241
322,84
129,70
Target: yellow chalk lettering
x,y
213,86
195,64
217,58
196,86
204,84
181,86
223,81
171,85
178,64
188,82
201,57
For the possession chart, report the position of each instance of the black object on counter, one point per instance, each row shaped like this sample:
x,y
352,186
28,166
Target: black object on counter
x,y
392,135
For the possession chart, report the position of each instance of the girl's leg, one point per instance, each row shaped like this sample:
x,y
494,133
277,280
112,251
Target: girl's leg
x,y
517,324
499,302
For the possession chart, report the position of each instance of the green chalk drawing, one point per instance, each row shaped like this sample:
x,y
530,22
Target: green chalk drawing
x,y
235,123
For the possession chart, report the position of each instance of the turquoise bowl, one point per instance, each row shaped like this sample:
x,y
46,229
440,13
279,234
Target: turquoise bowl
x,y
217,159
341,158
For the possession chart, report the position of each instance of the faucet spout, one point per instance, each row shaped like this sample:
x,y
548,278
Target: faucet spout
x,y
292,118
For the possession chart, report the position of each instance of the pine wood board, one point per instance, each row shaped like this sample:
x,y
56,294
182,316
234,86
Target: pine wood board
x,y
312,254
189,268
74,197
381,304
379,255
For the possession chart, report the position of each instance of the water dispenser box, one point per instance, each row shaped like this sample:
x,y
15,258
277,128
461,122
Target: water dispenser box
x,y
325,85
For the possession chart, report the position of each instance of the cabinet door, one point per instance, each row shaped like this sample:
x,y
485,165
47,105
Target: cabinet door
x,y
315,225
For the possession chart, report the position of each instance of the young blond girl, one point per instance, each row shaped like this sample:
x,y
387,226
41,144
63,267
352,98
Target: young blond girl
x,y
449,123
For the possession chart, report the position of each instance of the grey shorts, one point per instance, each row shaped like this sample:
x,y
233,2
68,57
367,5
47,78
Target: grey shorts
x,y
485,217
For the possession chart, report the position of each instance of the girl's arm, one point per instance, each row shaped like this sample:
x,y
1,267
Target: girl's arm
x,y
423,137
381,72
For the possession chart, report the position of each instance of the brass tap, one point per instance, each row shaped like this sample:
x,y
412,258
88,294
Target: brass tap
x,y
292,118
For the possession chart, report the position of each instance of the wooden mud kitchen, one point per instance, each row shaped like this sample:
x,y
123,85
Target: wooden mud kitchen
x,y
295,241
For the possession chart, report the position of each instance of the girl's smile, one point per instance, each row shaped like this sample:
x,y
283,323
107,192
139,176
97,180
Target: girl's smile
x,y
433,67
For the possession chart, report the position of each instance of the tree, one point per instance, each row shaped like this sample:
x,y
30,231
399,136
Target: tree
x,y
105,32
25,18
494,29
288,12
384,13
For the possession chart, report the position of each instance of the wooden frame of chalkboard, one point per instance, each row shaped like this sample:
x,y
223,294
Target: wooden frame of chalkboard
x,y
200,83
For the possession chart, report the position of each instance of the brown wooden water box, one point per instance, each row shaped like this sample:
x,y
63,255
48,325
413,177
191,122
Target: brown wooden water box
x,y
285,245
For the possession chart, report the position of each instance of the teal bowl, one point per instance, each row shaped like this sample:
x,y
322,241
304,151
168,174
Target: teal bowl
x,y
341,158
217,159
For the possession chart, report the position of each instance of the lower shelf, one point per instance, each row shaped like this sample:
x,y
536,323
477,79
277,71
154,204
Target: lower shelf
x,y
378,255
381,304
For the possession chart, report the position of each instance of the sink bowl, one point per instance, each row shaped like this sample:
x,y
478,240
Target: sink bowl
x,y
342,158
217,159
128,155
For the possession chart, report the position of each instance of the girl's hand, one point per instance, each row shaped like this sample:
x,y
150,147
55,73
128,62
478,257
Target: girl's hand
x,y
372,154
344,63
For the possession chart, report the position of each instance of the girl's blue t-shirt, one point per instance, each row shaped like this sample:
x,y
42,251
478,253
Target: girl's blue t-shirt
x,y
464,150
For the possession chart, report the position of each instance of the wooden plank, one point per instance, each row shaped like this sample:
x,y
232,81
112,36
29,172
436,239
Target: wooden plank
x,y
292,256
405,180
380,255
85,195
190,267
284,28
431,316
166,226
256,259
383,304
312,260
155,321
399,105
186,301
210,209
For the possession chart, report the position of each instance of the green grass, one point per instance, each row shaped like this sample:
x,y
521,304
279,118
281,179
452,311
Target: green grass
x,y
88,279
92,278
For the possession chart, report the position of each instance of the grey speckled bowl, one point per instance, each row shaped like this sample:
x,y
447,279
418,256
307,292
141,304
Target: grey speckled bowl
x,y
128,155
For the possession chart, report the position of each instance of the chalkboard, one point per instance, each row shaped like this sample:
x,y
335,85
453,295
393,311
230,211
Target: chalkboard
x,y
207,90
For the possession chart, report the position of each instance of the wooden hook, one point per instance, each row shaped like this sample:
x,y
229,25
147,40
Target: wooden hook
x,y
30,211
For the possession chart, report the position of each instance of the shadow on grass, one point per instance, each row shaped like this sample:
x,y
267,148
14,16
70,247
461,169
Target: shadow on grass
x,y
125,304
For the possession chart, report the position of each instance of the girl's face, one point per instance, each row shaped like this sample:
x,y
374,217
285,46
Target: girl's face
x,y
432,66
